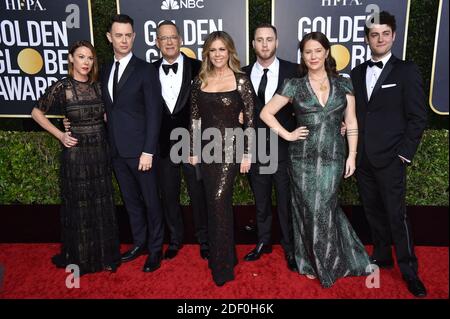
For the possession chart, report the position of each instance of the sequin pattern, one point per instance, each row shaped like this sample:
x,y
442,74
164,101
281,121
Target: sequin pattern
x,y
221,110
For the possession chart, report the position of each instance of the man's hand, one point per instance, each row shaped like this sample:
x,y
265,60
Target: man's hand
x,y
193,160
343,129
145,162
66,124
241,118
245,165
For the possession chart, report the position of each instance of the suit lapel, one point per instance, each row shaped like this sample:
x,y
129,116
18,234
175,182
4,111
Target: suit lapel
x,y
185,85
384,74
126,74
363,82
281,75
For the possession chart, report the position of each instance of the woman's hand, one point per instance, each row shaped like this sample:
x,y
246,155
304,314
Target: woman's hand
x,y
193,160
350,166
67,140
245,165
300,133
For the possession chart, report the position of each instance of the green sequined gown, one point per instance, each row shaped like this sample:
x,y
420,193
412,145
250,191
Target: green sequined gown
x,y
326,245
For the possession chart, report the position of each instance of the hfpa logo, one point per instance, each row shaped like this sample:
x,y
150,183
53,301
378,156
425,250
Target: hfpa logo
x,y
28,5
186,4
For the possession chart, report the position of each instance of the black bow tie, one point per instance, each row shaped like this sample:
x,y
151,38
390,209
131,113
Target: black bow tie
x,y
378,64
167,67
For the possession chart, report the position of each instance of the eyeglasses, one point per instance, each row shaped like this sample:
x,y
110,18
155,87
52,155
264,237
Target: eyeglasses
x,y
165,39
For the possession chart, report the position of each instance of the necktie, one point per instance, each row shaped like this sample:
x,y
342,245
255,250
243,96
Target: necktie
x,y
115,80
262,87
379,64
167,67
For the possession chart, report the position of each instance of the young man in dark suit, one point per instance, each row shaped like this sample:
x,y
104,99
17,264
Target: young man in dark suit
x,y
392,115
176,72
267,75
132,98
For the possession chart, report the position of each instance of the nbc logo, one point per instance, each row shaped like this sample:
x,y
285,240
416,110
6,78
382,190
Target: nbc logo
x,y
182,4
170,5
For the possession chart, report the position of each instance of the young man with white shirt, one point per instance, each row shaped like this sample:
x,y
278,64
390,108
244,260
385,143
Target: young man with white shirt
x,y
132,98
392,115
267,75
176,72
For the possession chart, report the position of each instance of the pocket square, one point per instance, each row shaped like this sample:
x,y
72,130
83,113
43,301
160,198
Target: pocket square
x,y
386,86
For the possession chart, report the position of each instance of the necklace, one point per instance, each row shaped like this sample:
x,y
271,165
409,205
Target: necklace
x,y
322,87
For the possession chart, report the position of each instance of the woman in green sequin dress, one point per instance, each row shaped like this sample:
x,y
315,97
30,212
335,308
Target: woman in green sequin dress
x,y
326,246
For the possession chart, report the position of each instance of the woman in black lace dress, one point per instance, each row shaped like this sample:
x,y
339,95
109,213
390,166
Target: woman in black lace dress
x,y
219,94
89,232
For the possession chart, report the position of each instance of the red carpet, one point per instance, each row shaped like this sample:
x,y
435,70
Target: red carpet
x,y
28,273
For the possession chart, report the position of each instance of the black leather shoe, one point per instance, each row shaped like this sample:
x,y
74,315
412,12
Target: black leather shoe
x,y
291,263
219,283
170,253
133,253
256,253
153,262
416,287
204,252
385,264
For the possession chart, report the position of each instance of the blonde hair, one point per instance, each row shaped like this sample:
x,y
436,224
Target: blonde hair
x,y
233,61
93,74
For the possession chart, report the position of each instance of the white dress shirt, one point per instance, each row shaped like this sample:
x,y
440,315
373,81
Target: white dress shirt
x,y
272,77
123,65
373,73
171,82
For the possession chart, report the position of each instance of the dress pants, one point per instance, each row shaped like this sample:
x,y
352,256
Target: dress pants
x,y
169,177
382,192
140,196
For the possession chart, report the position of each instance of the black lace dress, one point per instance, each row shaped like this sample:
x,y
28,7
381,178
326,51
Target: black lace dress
x,y
220,111
89,232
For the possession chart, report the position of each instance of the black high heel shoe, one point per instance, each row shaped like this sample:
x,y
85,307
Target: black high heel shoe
x,y
112,268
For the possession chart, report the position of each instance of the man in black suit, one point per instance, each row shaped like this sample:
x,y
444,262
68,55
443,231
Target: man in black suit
x,y
176,72
267,75
391,111
132,98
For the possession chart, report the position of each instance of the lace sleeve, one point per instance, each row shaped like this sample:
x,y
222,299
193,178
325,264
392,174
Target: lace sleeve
x,y
245,90
53,99
196,121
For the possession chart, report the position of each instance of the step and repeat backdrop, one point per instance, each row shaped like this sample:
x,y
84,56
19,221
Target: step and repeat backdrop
x,y
34,40
35,36
195,19
341,21
439,77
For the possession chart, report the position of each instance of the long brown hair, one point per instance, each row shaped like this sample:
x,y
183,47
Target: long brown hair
x,y
233,61
93,74
330,62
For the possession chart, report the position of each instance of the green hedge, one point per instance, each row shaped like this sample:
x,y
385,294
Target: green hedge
x,y
29,166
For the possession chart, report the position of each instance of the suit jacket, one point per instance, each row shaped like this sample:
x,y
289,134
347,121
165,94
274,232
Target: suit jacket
x,y
284,116
391,123
181,113
134,118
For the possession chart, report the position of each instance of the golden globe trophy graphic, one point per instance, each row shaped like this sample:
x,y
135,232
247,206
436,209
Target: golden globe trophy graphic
x,y
342,56
188,52
30,61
